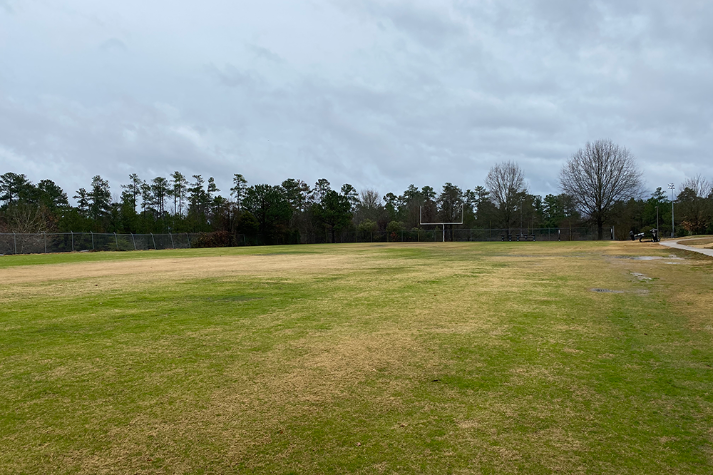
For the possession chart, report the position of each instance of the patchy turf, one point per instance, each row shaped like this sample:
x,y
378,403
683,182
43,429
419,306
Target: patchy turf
x,y
400,358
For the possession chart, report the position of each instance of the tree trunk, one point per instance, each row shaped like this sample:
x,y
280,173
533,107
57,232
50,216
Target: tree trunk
x,y
600,229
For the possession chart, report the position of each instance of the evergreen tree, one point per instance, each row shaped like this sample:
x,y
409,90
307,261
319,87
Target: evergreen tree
x,y
147,199
240,185
51,195
197,197
82,198
297,193
334,212
132,190
450,203
160,190
179,186
14,188
410,204
269,205
350,193
99,198
320,189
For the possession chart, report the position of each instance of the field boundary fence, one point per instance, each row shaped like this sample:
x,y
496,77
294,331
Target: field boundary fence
x,y
464,235
43,243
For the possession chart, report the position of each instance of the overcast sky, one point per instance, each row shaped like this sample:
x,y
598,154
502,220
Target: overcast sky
x,y
376,93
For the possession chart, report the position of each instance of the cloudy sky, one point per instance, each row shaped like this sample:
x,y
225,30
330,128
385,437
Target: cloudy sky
x,y
376,93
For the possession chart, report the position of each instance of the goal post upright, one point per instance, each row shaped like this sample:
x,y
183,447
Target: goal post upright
x,y
443,225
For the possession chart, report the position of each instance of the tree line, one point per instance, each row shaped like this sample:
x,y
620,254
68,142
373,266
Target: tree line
x,y
600,187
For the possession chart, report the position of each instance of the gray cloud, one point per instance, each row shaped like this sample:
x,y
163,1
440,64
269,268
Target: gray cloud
x,y
6,5
378,94
231,76
264,53
113,44
425,23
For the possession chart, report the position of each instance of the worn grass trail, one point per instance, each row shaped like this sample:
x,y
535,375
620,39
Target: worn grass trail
x,y
431,358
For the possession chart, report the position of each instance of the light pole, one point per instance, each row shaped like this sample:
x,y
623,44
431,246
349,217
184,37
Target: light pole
x,y
521,201
673,226
657,218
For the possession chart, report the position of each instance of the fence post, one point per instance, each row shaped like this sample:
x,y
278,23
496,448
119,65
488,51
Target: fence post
x,y
72,232
90,232
171,236
154,242
133,240
14,241
45,236
189,240
116,240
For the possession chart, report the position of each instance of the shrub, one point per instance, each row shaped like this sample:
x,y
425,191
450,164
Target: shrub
x,y
214,239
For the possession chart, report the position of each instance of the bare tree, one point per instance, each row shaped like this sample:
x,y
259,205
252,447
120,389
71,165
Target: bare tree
x,y
598,176
507,188
695,204
369,206
701,187
370,199
28,218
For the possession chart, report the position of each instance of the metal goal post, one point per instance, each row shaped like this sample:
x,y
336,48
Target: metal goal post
x,y
443,225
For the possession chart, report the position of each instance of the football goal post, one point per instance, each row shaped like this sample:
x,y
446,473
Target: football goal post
x,y
443,225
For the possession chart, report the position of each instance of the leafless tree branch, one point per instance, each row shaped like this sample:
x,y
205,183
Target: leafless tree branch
x,y
598,176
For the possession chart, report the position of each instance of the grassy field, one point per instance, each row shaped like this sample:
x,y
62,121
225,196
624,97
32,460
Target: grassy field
x,y
421,358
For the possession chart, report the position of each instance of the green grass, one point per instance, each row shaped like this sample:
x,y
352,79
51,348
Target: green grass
x,y
81,257
430,358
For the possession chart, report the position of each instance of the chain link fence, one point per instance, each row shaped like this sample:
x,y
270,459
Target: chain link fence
x,y
462,235
39,243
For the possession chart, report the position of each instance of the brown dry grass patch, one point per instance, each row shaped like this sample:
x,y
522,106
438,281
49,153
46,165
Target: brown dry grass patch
x,y
697,242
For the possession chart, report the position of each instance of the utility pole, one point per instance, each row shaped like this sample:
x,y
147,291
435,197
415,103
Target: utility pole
x,y
673,226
